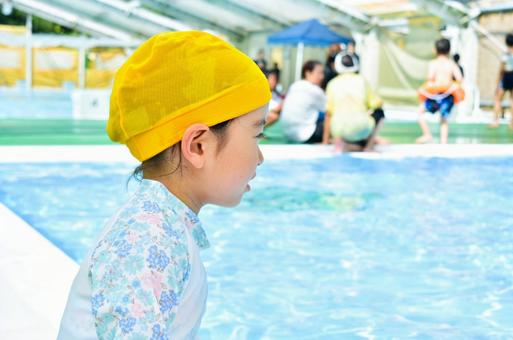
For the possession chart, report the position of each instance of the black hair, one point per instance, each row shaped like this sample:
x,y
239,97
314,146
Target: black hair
x,y
309,67
456,58
330,59
165,156
509,39
347,61
274,71
443,46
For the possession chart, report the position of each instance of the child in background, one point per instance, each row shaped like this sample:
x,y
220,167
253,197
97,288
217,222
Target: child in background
x,y
353,111
191,108
505,83
440,92
273,77
456,57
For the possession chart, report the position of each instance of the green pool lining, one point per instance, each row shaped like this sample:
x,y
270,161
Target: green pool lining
x,y
92,132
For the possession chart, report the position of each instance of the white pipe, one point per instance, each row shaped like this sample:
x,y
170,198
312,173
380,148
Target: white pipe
x,y
147,15
81,67
299,59
371,57
41,9
28,53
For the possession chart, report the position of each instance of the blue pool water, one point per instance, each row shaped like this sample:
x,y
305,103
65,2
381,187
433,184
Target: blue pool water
x,y
39,103
324,249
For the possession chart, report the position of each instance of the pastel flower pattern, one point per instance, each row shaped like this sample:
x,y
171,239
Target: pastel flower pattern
x,y
141,266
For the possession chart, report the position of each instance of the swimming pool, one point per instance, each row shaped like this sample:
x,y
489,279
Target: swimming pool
x,y
329,248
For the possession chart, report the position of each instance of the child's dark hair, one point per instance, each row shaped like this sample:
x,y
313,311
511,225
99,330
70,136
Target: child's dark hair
x,y
275,72
330,59
443,46
309,67
347,61
164,156
509,40
456,58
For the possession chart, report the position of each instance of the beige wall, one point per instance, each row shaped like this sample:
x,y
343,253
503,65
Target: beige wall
x,y
499,24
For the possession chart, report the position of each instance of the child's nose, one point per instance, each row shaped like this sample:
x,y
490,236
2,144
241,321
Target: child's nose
x,y
260,157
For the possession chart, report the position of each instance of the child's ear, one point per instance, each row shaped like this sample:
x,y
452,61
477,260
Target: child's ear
x,y
195,141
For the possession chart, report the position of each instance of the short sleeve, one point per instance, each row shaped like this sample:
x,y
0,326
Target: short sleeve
x,y
138,274
372,99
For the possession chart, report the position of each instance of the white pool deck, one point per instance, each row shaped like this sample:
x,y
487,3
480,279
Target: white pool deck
x,y
35,275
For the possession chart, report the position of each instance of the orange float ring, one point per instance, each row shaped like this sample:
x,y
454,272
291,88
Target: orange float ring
x,y
429,90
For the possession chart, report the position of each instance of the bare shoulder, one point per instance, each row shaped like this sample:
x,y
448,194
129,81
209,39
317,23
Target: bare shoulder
x,y
446,62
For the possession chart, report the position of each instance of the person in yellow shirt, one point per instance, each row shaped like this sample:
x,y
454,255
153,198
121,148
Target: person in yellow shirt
x,y
353,111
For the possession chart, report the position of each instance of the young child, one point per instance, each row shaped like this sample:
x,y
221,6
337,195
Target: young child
x,y
191,108
353,110
440,92
505,83
276,103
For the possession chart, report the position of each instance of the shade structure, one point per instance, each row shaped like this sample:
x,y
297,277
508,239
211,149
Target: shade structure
x,y
310,32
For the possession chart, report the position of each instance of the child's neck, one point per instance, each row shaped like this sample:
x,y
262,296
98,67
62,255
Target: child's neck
x,y
177,187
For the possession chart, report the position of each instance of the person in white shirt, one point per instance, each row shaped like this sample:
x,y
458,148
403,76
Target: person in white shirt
x,y
302,114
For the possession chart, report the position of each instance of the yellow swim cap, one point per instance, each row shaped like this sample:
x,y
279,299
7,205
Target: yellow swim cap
x,y
176,79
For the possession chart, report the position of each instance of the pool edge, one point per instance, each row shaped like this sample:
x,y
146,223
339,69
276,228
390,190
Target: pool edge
x,y
119,153
36,277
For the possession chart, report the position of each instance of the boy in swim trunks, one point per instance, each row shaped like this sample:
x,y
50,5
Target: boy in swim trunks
x,y
442,72
505,82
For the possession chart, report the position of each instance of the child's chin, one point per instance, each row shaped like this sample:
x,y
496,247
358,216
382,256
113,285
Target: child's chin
x,y
229,203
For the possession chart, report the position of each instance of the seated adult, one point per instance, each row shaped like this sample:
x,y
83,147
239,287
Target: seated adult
x,y
302,114
353,110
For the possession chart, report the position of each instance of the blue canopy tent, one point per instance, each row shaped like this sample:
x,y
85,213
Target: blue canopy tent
x,y
310,32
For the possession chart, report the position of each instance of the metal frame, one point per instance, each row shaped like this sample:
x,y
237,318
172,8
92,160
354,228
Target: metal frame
x,y
126,20
167,9
69,19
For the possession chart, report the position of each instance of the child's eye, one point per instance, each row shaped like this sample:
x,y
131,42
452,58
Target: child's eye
x,y
260,135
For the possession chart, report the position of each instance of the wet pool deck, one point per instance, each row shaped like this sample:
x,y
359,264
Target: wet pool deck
x,y
92,132
35,276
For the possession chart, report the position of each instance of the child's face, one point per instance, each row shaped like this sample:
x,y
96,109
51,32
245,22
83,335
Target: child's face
x,y
273,81
235,164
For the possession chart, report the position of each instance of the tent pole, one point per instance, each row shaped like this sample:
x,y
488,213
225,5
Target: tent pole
x,y
299,59
81,67
469,58
370,58
28,53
